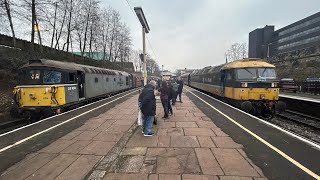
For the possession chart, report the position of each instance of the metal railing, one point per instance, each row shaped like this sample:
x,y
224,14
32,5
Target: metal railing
x,y
304,87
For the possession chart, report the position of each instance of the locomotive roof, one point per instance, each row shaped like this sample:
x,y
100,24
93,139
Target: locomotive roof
x,y
74,67
247,63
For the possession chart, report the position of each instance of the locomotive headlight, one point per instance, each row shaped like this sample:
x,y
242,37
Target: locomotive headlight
x,y
244,84
274,84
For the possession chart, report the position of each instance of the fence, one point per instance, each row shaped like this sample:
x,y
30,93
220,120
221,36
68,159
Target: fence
x,y
304,87
309,87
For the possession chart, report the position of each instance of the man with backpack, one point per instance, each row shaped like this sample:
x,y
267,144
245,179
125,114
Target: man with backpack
x,y
175,88
147,104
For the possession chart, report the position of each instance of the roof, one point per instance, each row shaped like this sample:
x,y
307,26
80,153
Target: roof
x,y
74,67
249,62
167,73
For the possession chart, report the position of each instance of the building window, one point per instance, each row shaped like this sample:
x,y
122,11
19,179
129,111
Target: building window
x,y
299,26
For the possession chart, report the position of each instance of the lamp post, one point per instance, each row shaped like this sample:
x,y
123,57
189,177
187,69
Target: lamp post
x,y
145,29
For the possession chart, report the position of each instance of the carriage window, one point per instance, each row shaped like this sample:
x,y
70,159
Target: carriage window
x,y
127,81
72,77
96,80
107,79
51,77
114,79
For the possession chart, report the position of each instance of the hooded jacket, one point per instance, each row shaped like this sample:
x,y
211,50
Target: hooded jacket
x,y
148,101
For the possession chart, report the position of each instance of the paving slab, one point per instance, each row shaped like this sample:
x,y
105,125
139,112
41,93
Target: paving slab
x,y
52,169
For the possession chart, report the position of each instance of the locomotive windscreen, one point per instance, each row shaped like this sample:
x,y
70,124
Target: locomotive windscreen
x,y
29,76
254,73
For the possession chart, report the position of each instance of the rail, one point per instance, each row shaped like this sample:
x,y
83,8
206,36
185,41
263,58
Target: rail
x,y
300,118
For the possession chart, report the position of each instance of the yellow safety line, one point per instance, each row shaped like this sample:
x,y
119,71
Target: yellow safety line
x,y
308,171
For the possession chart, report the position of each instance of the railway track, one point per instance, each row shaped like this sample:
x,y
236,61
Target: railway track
x,y
20,122
300,118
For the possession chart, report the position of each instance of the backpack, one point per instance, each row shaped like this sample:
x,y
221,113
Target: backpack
x,y
175,87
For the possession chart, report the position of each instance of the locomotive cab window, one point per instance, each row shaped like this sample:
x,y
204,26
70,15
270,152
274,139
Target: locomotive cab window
x,y
268,73
51,77
27,76
246,73
72,78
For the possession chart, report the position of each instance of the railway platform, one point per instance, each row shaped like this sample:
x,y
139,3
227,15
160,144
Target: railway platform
x,y
203,139
301,96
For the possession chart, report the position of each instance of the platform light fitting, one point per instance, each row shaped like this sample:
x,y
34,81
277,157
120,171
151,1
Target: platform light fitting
x,y
142,18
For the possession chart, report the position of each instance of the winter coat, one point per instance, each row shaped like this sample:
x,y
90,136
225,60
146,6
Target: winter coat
x,y
180,86
148,101
164,93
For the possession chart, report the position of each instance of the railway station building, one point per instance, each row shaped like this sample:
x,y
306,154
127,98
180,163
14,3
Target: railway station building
x,y
301,35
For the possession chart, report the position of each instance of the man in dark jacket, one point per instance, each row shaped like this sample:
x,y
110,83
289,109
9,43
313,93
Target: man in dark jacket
x,y
180,82
147,105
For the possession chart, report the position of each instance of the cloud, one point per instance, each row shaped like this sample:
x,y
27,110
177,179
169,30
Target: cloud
x,y
195,34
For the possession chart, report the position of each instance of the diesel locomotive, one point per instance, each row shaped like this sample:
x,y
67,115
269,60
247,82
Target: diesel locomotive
x,y
48,87
249,84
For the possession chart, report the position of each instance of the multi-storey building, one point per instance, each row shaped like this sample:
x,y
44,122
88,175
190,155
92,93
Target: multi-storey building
x,y
266,42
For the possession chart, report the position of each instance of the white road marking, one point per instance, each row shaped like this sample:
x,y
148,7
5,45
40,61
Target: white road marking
x,y
46,130
296,163
23,127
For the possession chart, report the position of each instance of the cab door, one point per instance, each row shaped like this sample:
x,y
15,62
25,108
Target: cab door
x,y
81,84
222,82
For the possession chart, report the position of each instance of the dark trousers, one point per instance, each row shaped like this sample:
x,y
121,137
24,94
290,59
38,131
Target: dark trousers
x,y
170,107
174,98
165,106
179,93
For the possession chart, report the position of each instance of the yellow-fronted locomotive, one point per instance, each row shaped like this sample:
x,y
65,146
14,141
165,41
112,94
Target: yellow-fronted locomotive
x,y
48,87
250,84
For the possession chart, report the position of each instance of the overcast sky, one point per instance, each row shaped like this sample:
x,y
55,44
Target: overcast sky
x,y
197,33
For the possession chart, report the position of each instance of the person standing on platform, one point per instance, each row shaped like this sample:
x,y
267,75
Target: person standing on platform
x,y
159,83
147,103
164,91
180,82
170,97
175,88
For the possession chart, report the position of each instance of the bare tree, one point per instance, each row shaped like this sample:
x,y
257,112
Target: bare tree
x,y
105,29
70,8
77,24
135,58
237,51
6,4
